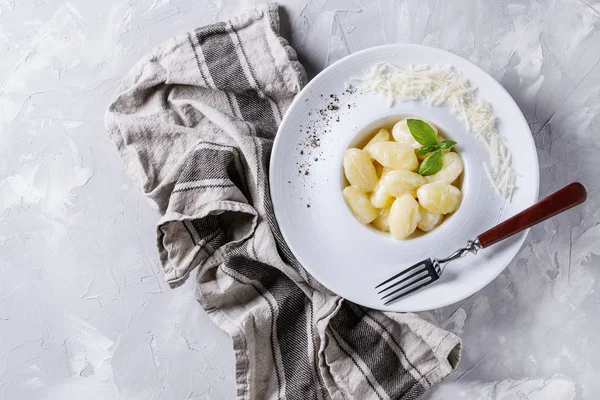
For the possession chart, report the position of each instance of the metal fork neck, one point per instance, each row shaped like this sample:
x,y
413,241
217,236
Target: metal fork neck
x,y
472,247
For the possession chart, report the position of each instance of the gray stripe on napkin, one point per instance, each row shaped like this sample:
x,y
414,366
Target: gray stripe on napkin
x,y
194,123
291,323
372,348
227,73
221,59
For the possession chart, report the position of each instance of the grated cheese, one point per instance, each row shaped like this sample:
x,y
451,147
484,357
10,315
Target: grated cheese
x,y
439,86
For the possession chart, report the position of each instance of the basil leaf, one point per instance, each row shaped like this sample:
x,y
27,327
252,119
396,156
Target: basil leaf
x,y
426,150
431,164
422,132
447,144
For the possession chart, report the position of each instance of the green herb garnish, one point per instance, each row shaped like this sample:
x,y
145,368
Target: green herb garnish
x,y
422,132
426,150
447,144
432,164
426,136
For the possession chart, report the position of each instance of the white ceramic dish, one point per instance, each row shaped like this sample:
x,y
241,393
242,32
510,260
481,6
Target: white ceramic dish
x,y
350,258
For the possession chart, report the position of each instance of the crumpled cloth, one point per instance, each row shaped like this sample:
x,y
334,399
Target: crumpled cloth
x,y
194,122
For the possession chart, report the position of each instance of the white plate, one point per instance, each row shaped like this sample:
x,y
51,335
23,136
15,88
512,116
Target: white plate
x,y
351,259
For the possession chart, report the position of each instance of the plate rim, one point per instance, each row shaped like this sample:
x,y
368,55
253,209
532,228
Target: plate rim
x,y
313,82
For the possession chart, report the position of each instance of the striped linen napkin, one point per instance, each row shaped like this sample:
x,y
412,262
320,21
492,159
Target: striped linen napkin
x,y
194,122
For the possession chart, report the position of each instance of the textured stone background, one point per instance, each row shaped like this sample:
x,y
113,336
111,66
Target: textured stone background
x,y
84,310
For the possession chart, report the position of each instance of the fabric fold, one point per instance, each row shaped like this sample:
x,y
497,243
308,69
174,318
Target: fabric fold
x,y
194,122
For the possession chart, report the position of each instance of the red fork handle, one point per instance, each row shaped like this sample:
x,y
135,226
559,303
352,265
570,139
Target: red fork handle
x,y
562,200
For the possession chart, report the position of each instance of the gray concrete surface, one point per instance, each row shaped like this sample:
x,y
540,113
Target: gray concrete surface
x,y
84,311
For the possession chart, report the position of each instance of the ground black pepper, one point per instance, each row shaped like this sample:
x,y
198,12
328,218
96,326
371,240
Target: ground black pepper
x,y
319,125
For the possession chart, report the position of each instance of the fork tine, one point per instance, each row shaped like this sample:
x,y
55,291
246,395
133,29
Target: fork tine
x,y
407,270
417,276
414,289
417,272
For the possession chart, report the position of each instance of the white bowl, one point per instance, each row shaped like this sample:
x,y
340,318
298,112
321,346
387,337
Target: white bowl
x,y
350,258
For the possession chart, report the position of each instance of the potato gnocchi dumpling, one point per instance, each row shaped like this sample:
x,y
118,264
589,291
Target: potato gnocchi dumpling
x,y
428,219
384,189
394,155
398,182
404,216
381,136
453,167
402,134
439,197
360,204
380,197
359,170
382,221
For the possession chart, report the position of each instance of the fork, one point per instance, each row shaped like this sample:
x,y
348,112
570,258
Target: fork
x,y
430,270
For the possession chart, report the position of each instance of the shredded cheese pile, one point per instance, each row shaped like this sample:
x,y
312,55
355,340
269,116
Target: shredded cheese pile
x,y
443,86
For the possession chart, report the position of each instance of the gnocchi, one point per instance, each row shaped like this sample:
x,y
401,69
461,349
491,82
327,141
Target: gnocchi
x,y
402,134
359,170
360,204
428,219
453,167
382,221
384,189
404,216
398,182
381,198
394,155
438,197
383,135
